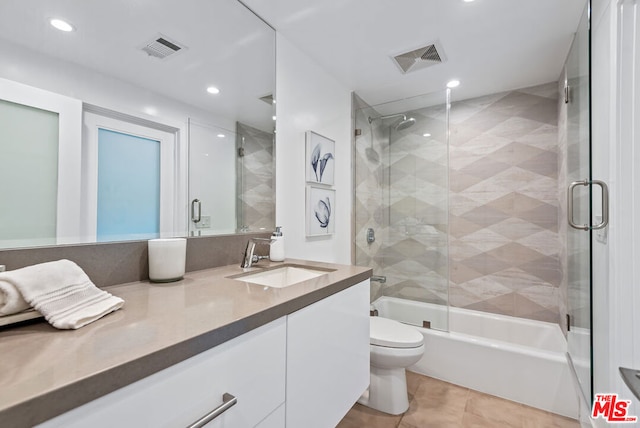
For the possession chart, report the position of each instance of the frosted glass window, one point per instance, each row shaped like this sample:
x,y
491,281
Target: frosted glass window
x,y
28,175
128,186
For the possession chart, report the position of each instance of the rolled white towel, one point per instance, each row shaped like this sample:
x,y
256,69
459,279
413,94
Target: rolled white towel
x,y
11,301
60,291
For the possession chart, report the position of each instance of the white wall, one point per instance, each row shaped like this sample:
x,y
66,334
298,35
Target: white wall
x,y
624,273
616,160
308,98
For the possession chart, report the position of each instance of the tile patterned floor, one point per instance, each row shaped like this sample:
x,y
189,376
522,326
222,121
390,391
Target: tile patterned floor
x,y
437,404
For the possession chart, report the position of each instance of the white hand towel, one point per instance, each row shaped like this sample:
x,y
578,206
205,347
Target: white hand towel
x,y
60,291
11,301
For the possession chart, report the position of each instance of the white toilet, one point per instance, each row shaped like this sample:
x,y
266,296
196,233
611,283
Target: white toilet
x,y
394,347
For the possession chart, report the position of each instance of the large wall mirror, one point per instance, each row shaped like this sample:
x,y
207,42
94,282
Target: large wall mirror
x,y
144,119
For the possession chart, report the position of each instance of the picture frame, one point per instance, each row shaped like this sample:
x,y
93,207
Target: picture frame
x,y
320,211
320,159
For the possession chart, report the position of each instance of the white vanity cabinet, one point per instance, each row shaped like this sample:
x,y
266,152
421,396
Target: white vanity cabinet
x,y
251,367
317,356
327,358
275,419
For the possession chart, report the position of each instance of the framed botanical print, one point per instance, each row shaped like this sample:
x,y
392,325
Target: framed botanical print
x,y
320,211
320,159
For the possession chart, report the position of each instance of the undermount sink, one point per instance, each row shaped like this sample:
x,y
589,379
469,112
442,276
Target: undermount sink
x,y
281,277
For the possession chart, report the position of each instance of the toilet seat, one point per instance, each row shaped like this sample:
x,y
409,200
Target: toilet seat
x,y
392,334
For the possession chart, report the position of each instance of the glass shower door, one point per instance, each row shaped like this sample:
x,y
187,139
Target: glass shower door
x,y
579,202
401,206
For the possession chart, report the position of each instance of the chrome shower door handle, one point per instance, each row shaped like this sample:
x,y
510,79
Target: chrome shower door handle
x,y
570,190
194,218
605,204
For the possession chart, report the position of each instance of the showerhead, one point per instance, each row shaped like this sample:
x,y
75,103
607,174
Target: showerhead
x,y
406,123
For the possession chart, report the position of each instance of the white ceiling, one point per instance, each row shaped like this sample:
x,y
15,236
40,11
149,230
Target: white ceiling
x,y
228,47
490,45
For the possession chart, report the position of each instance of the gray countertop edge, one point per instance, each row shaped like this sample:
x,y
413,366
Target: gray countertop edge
x,y
53,403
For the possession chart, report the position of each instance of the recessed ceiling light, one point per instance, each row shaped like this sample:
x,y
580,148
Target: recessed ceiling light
x,y
426,134
61,25
468,1
220,135
273,117
213,90
151,111
453,84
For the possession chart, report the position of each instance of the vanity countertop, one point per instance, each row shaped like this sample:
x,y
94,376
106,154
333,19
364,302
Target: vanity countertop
x,y
45,372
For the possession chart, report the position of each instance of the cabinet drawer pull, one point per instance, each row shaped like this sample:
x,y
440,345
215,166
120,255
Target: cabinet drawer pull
x,y
228,401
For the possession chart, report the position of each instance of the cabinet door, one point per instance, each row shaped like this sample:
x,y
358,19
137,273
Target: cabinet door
x,y
327,358
274,420
250,367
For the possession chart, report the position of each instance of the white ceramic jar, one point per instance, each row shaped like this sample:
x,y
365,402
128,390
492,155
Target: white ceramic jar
x,y
167,259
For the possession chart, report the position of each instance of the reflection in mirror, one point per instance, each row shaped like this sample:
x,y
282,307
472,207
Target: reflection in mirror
x,y
212,170
25,130
103,128
255,185
219,156
129,186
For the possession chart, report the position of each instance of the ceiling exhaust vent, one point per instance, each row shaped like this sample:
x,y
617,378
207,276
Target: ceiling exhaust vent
x,y
162,47
420,58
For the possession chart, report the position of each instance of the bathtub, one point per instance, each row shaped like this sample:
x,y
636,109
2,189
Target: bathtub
x,y
514,358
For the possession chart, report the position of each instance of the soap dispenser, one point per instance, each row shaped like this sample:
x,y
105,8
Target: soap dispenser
x,y
276,252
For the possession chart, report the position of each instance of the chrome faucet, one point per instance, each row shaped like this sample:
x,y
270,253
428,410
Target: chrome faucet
x,y
249,258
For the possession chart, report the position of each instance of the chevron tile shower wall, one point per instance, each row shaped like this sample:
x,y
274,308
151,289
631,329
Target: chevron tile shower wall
x,y
499,204
504,204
